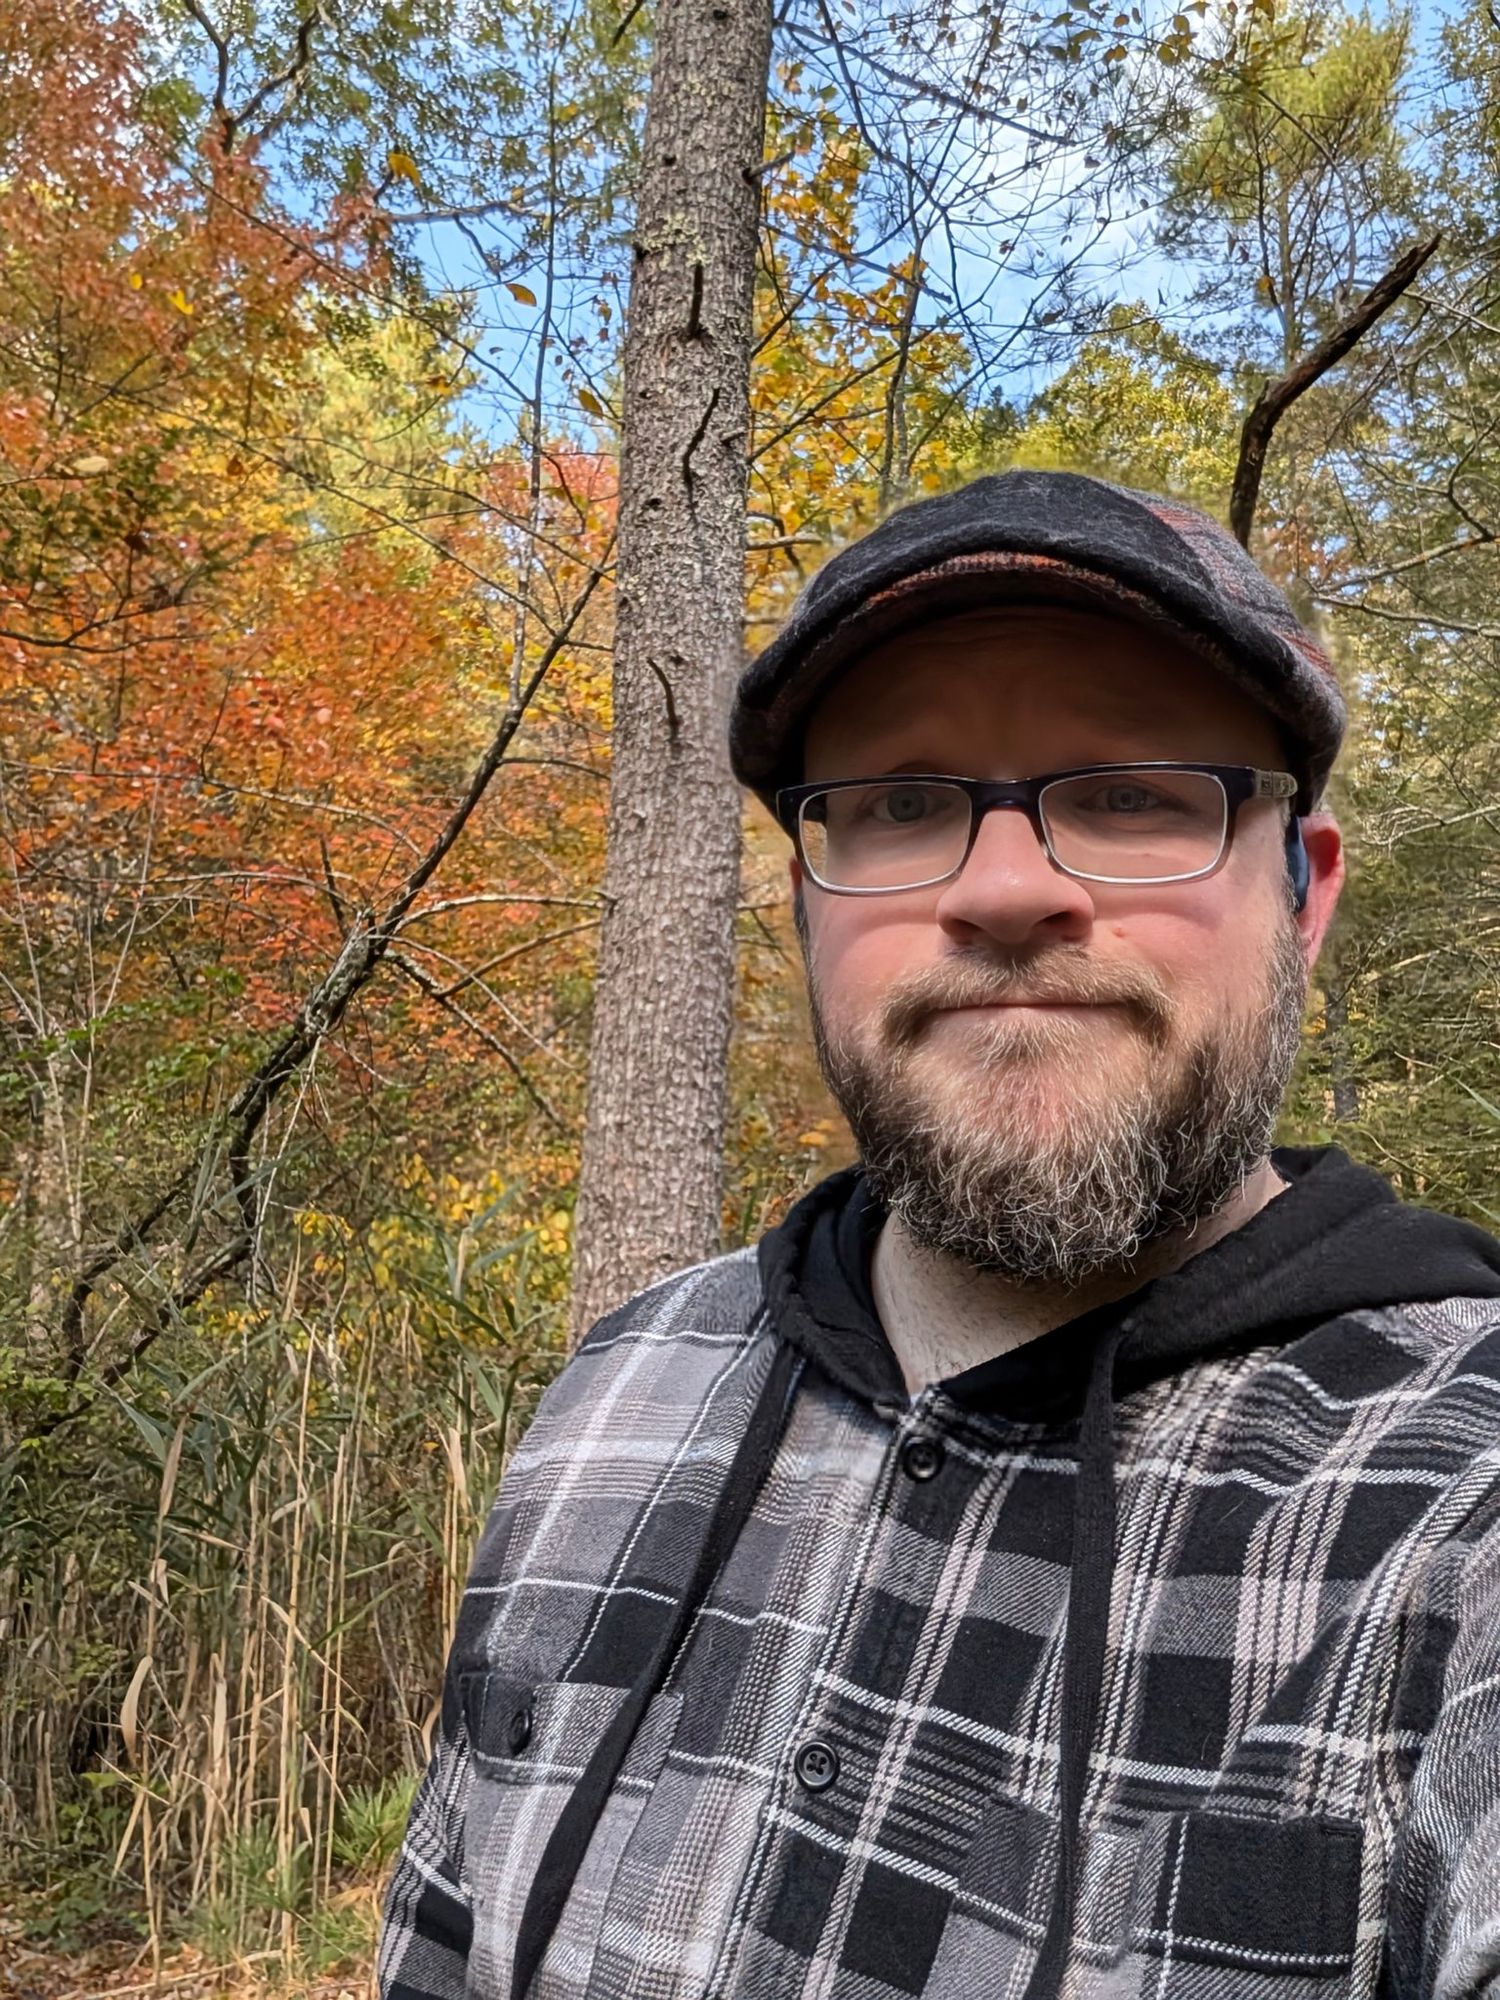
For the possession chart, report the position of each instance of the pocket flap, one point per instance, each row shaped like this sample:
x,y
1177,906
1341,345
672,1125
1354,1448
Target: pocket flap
x,y
1264,1895
520,1731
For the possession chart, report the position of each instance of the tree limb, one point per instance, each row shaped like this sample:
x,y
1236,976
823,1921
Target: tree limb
x,y
289,78
231,123
1273,402
366,943
219,43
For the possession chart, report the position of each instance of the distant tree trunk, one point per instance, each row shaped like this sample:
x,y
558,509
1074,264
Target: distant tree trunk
x,y
1342,1080
54,1226
650,1189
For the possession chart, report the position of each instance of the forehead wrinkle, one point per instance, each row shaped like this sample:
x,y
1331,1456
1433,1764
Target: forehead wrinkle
x,y
979,686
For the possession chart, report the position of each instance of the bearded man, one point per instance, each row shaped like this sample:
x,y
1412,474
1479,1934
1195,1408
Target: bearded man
x,y
1064,1557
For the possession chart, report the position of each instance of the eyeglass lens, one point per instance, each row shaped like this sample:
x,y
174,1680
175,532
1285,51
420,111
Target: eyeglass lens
x,y
1124,825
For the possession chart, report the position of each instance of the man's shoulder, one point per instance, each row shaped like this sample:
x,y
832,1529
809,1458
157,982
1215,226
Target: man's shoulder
x,y
1400,1358
645,1369
710,1303
1442,1335
658,1394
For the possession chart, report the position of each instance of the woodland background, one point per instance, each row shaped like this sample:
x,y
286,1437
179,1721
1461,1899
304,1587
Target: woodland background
x,y
310,476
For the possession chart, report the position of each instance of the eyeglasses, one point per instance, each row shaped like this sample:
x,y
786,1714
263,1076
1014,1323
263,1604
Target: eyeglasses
x,y
1160,822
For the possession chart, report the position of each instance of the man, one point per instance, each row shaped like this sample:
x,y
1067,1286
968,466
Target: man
x,y
1064,1558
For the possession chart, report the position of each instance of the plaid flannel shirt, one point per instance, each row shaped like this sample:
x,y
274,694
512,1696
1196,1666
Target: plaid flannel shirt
x,y
847,1785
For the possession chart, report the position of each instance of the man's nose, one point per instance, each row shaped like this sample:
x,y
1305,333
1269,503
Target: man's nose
x,y
1009,890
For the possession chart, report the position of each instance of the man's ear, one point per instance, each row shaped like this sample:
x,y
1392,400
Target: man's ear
x,y
1325,878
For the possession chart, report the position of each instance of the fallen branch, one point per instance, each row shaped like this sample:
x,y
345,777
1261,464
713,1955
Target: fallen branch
x,y
1273,402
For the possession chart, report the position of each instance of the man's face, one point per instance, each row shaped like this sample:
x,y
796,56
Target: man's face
x,y
1046,1074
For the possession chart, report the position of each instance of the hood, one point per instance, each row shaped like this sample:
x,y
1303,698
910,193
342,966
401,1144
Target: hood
x,y
1337,1240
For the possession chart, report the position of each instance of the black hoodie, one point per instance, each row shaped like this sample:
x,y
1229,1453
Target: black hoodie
x,y
1336,1241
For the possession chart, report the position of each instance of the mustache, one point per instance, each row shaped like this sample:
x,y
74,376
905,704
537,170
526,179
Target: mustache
x,y
1057,977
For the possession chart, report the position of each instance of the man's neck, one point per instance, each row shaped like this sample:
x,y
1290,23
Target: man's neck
x,y
942,1316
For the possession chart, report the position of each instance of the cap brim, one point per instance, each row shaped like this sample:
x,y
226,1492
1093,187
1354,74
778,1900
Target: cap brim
x,y
965,583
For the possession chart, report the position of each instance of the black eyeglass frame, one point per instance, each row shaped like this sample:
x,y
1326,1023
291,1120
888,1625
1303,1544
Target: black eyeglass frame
x,y
1239,783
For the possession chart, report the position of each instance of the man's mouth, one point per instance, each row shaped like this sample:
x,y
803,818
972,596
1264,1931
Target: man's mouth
x,y
1039,1003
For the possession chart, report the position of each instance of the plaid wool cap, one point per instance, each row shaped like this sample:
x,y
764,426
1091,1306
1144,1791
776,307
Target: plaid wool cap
x,y
1055,537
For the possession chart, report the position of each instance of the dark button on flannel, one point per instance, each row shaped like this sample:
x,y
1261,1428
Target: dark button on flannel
x,y
817,1767
922,1458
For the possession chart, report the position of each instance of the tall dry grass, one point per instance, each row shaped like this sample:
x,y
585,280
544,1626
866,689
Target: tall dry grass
x,y
225,1596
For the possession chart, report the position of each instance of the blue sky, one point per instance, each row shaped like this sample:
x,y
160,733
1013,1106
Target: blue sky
x,y
505,327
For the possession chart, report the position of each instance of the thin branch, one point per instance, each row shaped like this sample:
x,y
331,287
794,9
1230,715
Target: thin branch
x,y
513,952
444,999
366,944
503,901
1434,620
625,20
288,79
231,123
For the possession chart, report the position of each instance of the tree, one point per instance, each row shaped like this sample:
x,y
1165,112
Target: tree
x,y
918,102
650,1186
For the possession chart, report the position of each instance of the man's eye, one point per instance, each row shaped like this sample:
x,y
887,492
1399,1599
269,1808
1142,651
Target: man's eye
x,y
904,806
1130,799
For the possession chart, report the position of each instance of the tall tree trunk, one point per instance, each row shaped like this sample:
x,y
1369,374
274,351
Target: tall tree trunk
x,y
650,1189
1343,1080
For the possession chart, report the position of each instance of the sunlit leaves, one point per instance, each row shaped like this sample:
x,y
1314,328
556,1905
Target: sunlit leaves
x,y
264,590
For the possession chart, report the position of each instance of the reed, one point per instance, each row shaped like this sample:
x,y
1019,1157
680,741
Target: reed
x,y
226,1596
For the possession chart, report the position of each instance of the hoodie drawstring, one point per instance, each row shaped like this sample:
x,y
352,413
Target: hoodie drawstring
x,y
1084,1644
570,1837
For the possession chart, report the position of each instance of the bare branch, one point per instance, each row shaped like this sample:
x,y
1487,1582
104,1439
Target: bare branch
x,y
288,79
1278,397
366,944
219,43
444,999
232,123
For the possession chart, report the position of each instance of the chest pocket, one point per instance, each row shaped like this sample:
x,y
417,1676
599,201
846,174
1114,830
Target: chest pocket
x,y
1275,1900
530,1746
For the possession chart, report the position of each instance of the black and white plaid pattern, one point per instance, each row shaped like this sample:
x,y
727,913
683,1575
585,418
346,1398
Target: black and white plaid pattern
x,y
847,1787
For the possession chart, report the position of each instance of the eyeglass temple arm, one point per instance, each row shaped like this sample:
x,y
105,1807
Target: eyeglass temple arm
x,y
1274,785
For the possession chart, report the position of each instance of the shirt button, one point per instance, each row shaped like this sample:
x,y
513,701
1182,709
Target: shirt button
x,y
922,1458
817,1766
518,1731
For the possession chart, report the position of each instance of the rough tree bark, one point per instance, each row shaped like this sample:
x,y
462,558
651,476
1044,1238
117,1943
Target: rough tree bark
x,y
650,1187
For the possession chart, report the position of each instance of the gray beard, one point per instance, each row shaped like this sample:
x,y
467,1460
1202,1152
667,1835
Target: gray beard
x,y
1117,1174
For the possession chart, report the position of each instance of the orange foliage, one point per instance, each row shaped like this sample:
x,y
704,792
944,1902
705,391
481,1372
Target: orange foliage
x,y
234,708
